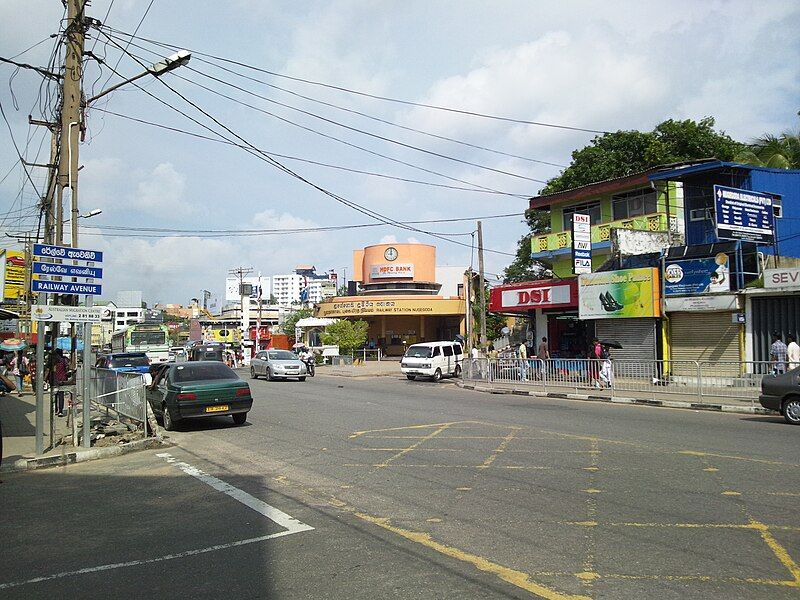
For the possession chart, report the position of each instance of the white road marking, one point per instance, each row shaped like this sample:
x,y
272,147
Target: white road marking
x,y
273,514
289,523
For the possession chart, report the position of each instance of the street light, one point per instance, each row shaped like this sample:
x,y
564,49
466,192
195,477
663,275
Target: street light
x,y
165,65
89,215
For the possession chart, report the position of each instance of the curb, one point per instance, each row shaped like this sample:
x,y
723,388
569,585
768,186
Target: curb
x,y
70,458
726,408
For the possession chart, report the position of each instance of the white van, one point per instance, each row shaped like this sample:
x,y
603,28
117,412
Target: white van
x,y
432,359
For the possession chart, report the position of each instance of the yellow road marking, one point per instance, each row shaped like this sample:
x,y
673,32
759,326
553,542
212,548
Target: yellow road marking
x,y
731,493
463,489
500,449
733,457
514,577
779,551
591,469
419,449
752,526
711,470
790,494
356,434
592,491
405,451
587,575
433,520
702,578
426,466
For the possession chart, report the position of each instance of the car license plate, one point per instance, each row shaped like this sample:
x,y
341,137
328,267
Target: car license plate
x,y
218,408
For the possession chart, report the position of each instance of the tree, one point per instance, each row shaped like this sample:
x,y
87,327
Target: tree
x,y
776,152
348,335
291,320
618,154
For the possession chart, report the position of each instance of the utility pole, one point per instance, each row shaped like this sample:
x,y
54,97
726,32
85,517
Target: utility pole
x,y
469,309
241,272
482,290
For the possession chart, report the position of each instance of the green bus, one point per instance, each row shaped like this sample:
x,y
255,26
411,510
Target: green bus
x,y
151,338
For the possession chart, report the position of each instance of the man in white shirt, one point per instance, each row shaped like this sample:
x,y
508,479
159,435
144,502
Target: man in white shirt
x,y
793,353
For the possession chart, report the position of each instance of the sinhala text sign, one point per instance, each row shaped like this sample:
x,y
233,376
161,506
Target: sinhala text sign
x,y
627,293
49,269
744,215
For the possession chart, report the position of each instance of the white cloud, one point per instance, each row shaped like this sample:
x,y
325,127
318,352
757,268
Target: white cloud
x,y
162,192
388,239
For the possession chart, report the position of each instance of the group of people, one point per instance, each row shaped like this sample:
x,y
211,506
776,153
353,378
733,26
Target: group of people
x,y
17,368
782,355
14,368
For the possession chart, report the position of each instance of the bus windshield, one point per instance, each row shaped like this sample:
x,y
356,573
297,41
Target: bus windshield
x,y
149,338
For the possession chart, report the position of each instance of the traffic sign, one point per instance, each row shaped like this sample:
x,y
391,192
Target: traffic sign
x,y
65,287
67,314
66,253
60,270
744,215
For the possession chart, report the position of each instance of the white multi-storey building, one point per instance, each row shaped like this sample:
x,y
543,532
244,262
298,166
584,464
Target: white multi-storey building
x,y
319,289
287,288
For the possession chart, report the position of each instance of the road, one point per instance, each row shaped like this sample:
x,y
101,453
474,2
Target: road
x,y
347,488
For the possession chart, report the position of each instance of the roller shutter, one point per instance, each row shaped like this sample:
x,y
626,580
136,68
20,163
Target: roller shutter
x,y
637,337
704,336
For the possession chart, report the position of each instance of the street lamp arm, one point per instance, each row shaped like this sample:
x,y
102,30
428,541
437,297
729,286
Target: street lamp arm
x,y
165,65
116,87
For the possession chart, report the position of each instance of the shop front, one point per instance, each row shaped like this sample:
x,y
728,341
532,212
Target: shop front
x,y
552,304
624,306
395,322
702,312
776,308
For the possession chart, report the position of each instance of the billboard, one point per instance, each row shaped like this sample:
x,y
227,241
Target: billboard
x,y
627,293
13,274
697,276
535,294
744,215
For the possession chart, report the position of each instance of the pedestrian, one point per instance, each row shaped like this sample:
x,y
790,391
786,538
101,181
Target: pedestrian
x,y
19,367
522,355
777,354
793,352
595,358
58,374
492,355
543,354
607,370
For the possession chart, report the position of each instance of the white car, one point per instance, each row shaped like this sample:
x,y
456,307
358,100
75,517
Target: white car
x,y
277,364
432,359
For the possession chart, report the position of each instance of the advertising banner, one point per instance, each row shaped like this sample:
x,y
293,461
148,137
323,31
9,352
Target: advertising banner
x,y
697,276
581,244
67,314
627,293
14,273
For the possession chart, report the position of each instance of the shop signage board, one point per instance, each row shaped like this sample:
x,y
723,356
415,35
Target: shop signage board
x,y
391,271
67,314
411,306
702,303
744,215
627,293
13,274
782,278
697,276
536,294
581,244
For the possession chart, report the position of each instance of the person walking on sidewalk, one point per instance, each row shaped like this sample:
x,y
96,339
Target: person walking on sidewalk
x,y
522,355
793,352
58,374
777,354
543,354
595,358
20,367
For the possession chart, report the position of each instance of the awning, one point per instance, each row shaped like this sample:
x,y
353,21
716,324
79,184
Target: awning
x,y
314,322
7,315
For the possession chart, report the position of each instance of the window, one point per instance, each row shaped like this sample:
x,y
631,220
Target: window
x,y
777,206
436,351
457,349
448,350
589,208
634,204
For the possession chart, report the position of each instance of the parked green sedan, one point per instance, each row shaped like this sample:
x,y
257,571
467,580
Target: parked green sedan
x,y
192,390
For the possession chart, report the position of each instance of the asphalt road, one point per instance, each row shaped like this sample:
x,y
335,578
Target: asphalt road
x,y
344,488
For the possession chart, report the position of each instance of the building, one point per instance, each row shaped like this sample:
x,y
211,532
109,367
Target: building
x,y
675,260
303,286
399,298
286,288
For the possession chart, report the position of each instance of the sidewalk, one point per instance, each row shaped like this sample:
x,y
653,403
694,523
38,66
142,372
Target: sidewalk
x,y
652,398
378,368
18,417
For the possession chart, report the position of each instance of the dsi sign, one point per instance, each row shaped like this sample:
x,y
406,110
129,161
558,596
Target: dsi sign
x,y
524,297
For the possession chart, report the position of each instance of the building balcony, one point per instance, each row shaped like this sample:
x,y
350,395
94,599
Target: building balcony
x,y
544,245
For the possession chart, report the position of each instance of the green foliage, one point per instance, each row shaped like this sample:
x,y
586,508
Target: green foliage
x,y
623,153
776,152
291,321
348,335
522,268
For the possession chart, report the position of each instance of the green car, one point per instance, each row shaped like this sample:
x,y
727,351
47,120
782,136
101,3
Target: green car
x,y
192,390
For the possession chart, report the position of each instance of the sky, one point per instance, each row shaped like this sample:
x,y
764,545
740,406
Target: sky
x,y
601,66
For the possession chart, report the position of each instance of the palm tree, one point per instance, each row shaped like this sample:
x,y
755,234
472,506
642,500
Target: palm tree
x,y
777,152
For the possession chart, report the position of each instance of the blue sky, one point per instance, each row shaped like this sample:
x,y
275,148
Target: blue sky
x,y
604,66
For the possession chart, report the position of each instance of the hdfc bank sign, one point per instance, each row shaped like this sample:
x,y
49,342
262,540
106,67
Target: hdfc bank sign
x,y
391,271
543,294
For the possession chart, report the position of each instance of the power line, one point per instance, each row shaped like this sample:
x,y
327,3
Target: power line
x,y
312,162
267,158
365,115
373,96
19,154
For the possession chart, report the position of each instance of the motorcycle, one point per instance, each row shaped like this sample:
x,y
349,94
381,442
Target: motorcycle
x,y
309,362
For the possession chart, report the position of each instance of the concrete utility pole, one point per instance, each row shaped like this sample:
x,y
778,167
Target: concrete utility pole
x,y
241,272
469,309
482,290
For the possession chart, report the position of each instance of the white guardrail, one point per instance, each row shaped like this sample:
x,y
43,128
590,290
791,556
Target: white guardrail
x,y
702,381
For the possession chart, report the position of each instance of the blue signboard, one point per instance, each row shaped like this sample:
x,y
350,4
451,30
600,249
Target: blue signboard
x,y
65,253
697,276
744,215
65,287
57,270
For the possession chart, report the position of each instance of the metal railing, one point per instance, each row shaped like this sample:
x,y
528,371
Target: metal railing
x,y
702,382
125,393
366,354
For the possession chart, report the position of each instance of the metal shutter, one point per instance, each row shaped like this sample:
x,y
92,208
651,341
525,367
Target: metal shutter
x,y
637,337
704,336
775,313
